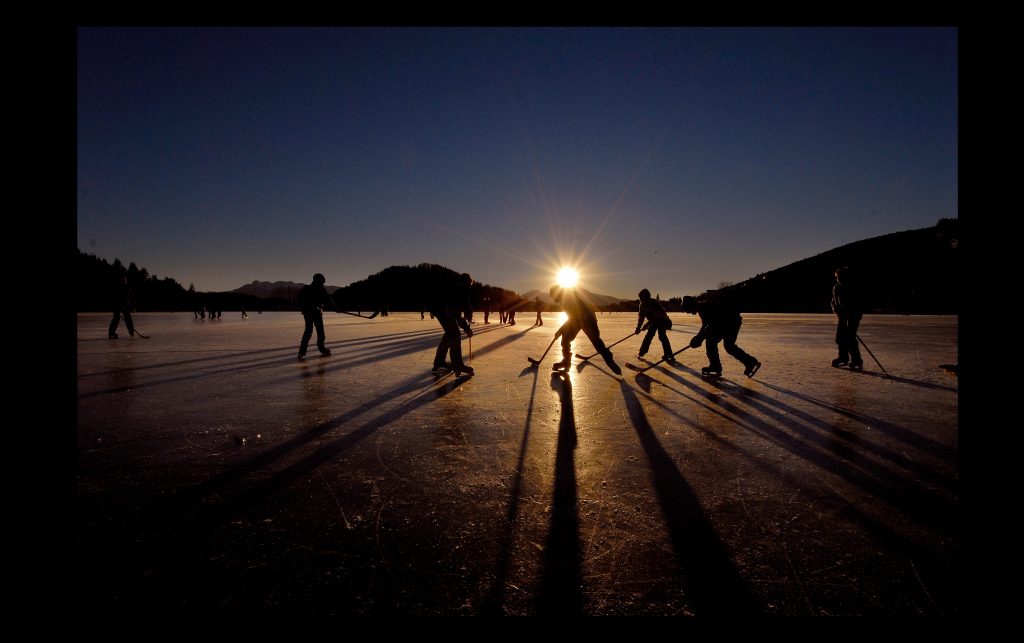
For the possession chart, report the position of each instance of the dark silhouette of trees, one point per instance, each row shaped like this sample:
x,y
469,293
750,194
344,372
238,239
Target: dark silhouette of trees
x,y
408,288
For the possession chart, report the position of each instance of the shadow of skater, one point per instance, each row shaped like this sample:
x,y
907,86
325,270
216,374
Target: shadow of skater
x,y
712,584
562,579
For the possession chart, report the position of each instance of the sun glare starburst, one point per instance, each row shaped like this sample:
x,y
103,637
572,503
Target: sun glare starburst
x,y
567,277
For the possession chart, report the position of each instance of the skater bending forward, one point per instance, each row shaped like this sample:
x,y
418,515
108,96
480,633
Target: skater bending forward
x,y
719,323
580,317
451,308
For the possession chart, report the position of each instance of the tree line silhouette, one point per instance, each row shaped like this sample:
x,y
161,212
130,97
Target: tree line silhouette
x,y
910,272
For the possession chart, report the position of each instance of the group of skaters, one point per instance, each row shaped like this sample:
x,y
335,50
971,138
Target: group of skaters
x,y
450,305
507,311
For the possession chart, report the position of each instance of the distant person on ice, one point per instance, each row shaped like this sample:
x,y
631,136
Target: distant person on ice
x,y
848,306
719,323
123,303
312,299
450,306
580,317
537,303
657,322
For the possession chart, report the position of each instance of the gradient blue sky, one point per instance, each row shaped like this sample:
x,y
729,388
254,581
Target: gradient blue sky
x,y
670,158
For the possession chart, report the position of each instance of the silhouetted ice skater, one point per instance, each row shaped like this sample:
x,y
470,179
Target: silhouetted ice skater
x,y
450,302
539,306
123,303
580,317
848,306
719,323
658,322
313,298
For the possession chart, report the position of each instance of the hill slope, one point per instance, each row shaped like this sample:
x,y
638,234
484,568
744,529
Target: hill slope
x,y
911,272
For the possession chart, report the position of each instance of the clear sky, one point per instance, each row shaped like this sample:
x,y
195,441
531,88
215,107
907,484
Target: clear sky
x,y
670,158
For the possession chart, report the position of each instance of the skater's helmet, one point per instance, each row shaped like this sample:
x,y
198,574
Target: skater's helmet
x,y
319,279
645,294
555,292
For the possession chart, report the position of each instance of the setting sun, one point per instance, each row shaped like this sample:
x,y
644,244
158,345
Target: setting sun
x,y
567,277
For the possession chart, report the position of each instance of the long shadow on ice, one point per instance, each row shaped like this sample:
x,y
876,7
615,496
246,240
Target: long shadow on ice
x,y
838,456
395,349
494,601
903,380
931,563
902,434
562,578
216,484
712,584
289,350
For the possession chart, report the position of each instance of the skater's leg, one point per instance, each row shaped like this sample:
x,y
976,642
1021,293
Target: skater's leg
x,y
115,320
841,342
750,363
665,344
569,333
851,342
306,334
128,323
318,321
729,342
714,361
594,335
645,344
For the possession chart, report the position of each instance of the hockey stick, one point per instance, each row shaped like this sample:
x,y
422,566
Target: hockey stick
x,y
638,369
587,357
536,362
134,329
872,355
375,313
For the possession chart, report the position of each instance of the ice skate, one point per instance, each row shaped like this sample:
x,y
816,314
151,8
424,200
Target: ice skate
x,y
753,368
440,367
462,369
711,370
839,361
560,366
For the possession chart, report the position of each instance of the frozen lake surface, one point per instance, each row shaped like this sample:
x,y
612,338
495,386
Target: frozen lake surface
x,y
218,474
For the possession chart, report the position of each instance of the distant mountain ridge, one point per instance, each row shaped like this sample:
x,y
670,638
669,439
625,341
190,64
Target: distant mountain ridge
x,y
593,298
286,290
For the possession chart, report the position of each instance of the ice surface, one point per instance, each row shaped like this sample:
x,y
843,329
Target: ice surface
x,y
219,474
